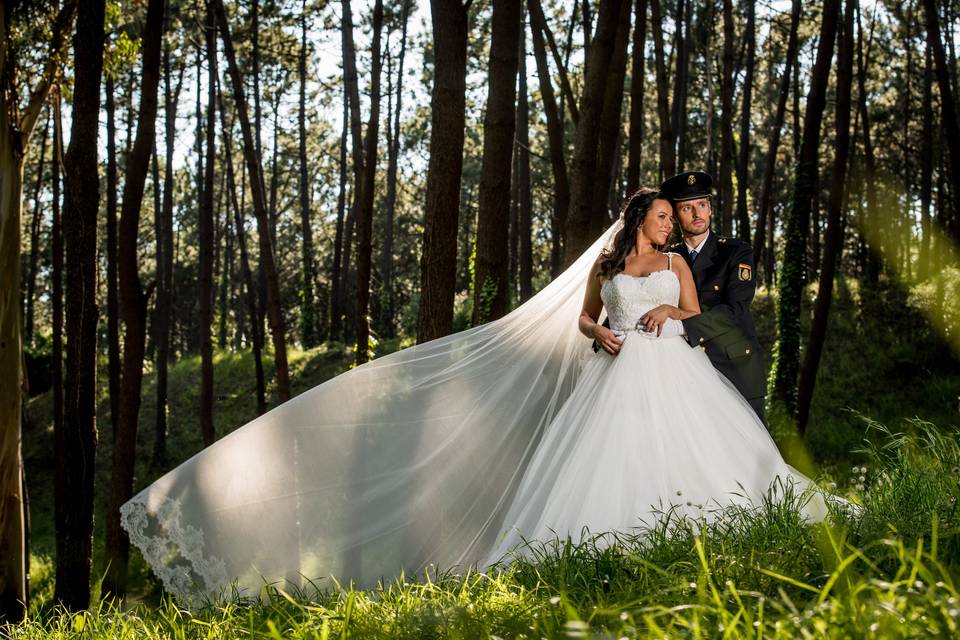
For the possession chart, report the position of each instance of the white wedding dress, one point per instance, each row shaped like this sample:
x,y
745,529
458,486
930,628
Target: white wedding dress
x,y
446,453
651,427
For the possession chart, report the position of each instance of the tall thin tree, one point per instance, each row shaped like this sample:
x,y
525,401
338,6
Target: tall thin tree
x,y
835,226
438,264
75,445
743,160
133,303
491,291
308,321
205,229
255,169
786,362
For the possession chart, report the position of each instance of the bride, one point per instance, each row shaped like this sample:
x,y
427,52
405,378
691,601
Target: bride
x,y
454,451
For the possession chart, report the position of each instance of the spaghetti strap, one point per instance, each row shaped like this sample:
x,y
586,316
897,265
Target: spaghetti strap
x,y
669,260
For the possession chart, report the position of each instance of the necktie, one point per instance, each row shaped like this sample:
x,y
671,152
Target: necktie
x,y
693,255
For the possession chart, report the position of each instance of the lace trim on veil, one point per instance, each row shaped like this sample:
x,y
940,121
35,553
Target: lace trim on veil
x,y
175,551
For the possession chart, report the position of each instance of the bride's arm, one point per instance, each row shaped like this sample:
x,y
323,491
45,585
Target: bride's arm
x,y
590,314
654,319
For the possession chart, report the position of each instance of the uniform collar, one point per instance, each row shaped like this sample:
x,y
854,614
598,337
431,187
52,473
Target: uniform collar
x,y
699,247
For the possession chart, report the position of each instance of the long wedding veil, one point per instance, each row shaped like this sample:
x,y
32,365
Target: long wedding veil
x,y
409,460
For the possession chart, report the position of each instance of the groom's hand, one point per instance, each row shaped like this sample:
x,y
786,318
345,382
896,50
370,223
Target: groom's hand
x,y
654,319
608,339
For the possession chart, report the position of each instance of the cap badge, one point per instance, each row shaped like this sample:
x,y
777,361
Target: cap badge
x,y
691,179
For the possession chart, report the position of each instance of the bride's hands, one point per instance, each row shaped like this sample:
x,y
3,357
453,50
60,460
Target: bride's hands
x,y
654,319
607,339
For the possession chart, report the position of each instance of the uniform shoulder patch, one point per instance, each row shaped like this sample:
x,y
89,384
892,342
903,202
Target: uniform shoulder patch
x,y
746,271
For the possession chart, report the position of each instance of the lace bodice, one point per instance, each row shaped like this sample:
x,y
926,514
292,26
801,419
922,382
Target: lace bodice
x,y
627,297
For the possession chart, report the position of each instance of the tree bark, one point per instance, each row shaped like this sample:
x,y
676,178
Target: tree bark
x,y
668,161
491,289
766,189
75,445
875,239
726,123
678,115
638,58
256,338
56,231
164,227
610,130
365,217
524,203
786,361
743,162
206,241
558,163
947,100
15,130
308,321
387,306
260,210
336,287
583,205
438,264
29,301
835,223
133,304
926,167
536,12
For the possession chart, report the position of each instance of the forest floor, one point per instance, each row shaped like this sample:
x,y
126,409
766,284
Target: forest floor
x,y
888,571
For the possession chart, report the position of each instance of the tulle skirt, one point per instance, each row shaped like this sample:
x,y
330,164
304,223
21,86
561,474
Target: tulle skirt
x,y
651,428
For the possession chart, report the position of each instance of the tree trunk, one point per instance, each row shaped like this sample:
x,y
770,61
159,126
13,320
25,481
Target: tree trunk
x,y
164,225
15,130
336,277
308,320
365,217
835,216
523,172
75,445
260,210
786,361
678,114
438,265
726,123
766,188
206,241
668,160
387,306
610,129
491,290
536,12
56,231
561,185
133,305
34,241
256,338
875,238
947,101
926,167
583,205
743,164
638,57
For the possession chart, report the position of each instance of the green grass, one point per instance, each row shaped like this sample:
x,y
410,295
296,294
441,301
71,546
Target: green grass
x,y
889,572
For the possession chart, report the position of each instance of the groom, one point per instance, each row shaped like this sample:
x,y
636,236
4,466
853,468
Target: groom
x,y
723,273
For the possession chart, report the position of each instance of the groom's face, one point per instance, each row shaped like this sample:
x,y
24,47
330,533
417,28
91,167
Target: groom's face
x,y
694,216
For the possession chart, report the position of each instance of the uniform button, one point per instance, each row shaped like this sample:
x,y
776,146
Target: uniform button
x,y
701,340
748,350
716,287
703,347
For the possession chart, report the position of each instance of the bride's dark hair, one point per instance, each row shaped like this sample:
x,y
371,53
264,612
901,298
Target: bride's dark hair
x,y
634,211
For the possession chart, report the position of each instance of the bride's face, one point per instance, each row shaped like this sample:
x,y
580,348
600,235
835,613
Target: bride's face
x,y
658,223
